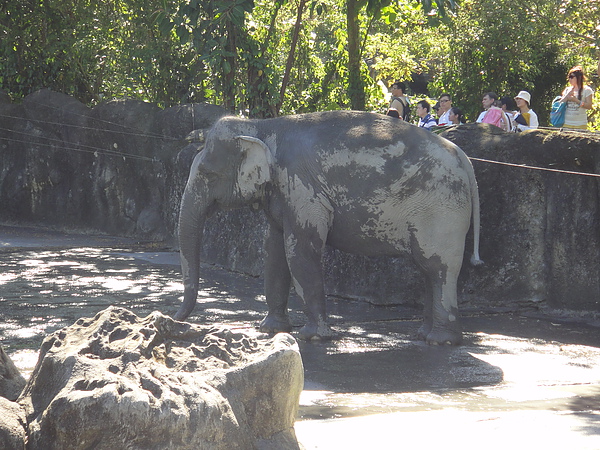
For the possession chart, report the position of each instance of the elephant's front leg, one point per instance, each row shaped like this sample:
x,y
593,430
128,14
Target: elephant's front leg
x,y
277,284
304,253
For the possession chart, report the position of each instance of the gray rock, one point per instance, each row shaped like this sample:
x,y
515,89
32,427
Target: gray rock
x,y
120,381
64,164
13,428
11,380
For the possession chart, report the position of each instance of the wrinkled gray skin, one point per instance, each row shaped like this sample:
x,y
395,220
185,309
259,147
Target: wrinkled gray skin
x,y
363,183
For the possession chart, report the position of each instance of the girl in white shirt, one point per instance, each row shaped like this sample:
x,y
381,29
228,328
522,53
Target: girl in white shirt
x,y
578,98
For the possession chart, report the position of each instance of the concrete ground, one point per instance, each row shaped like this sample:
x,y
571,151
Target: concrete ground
x,y
521,379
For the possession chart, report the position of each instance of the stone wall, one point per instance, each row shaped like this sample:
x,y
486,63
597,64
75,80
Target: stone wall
x,y
117,167
120,168
540,229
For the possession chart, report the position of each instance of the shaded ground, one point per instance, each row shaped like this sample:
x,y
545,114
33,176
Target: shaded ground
x,y
518,381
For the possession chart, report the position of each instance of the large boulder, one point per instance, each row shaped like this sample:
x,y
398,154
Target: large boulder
x,y
119,381
11,380
13,428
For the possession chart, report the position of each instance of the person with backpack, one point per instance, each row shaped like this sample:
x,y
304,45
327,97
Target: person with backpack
x,y
399,101
578,98
526,118
492,114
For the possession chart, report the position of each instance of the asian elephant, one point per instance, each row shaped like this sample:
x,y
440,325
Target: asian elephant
x,y
361,182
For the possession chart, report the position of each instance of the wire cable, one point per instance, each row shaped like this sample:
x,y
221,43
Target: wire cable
x,y
92,150
525,166
82,127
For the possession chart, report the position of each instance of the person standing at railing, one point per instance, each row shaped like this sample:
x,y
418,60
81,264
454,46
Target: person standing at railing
x,y
578,98
526,118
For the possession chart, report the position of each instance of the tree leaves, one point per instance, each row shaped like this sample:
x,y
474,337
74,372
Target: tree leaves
x,y
236,52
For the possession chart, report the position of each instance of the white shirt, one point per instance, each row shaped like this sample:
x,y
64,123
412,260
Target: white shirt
x,y
444,118
576,116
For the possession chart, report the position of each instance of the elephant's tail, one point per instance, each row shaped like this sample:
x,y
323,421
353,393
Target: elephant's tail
x,y
475,211
475,259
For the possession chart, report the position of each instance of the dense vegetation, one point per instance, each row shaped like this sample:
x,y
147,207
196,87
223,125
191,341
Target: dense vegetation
x,y
263,58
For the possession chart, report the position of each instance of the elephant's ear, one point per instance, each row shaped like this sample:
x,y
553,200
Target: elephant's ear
x,y
255,168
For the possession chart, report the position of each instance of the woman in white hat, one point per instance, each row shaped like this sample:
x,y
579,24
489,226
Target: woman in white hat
x,y
578,98
526,118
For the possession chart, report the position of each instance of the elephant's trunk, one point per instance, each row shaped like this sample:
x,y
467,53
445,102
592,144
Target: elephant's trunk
x,y
192,216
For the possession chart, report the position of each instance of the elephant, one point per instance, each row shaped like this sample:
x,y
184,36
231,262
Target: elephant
x,y
360,182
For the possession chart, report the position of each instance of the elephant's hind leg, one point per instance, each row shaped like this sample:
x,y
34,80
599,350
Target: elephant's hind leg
x,y
441,324
446,328
277,284
441,319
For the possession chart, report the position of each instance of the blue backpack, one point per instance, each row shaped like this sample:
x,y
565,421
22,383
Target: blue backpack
x,y
557,112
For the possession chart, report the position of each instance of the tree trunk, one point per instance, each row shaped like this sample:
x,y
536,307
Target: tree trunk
x,y
356,88
229,77
291,55
261,105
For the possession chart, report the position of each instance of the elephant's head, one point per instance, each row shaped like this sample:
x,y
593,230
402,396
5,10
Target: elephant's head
x,y
230,172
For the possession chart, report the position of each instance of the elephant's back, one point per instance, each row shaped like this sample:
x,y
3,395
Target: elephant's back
x,y
351,132
364,146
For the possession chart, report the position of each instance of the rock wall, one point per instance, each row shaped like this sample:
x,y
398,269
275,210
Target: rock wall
x,y
121,168
541,229
115,168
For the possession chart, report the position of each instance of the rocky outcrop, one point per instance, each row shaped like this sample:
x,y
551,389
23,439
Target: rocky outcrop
x,y
13,427
11,380
118,381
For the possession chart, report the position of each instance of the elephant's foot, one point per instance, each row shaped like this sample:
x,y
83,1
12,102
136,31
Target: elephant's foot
x,y
424,331
314,331
275,324
444,336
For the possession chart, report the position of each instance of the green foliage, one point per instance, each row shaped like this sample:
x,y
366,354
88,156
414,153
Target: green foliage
x,y
263,58
92,49
504,47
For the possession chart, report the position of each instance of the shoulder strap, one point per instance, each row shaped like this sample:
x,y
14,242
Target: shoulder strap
x,y
405,109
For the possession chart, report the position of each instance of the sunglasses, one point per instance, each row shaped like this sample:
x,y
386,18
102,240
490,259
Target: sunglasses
x,y
572,76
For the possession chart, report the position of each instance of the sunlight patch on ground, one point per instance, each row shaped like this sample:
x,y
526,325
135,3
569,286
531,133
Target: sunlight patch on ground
x,y
7,277
25,361
543,360
62,263
450,428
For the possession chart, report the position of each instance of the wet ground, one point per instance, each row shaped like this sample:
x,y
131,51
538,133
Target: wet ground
x,y
521,380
